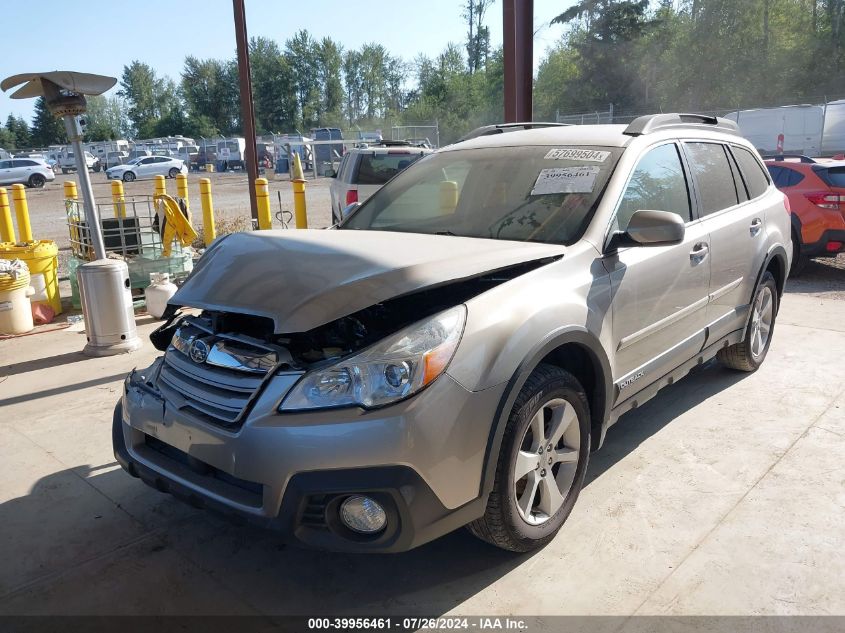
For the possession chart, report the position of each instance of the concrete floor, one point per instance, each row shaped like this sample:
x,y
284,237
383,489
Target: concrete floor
x,y
723,495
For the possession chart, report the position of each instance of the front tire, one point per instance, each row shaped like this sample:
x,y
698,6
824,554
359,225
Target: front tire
x,y
128,176
36,181
749,354
541,464
174,172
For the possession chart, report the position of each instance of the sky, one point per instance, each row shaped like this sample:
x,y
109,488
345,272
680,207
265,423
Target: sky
x,y
162,32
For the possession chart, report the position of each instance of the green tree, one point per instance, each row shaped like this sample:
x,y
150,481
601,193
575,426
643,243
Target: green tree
x,y
210,89
299,52
273,87
329,63
46,129
18,128
7,139
478,35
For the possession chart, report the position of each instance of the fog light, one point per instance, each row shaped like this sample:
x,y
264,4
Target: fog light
x,y
362,514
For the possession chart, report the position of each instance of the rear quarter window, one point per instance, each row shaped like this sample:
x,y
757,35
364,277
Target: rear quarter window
x,y
752,171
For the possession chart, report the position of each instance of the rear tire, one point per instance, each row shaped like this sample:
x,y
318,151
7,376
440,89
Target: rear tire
x,y
749,354
530,502
799,261
128,176
36,181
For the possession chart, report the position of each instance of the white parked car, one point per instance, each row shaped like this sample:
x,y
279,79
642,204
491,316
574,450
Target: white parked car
x,y
363,171
67,162
147,167
33,172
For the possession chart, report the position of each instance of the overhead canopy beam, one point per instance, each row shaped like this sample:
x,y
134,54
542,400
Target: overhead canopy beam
x,y
518,36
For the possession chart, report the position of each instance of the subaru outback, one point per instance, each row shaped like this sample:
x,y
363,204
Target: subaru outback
x,y
452,353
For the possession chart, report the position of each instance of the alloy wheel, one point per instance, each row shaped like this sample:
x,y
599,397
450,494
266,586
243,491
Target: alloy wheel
x,y
761,321
547,461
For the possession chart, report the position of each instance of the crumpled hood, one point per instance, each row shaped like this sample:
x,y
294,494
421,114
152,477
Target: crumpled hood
x,y
305,278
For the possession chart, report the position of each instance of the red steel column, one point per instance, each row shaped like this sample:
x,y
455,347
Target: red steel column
x,y
247,113
518,36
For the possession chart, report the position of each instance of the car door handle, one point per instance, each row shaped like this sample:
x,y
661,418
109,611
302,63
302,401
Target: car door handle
x,y
699,252
756,226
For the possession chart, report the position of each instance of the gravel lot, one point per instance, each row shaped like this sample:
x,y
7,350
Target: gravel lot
x,y
230,192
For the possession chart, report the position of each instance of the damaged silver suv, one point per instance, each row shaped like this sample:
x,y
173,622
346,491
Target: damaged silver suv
x,y
453,351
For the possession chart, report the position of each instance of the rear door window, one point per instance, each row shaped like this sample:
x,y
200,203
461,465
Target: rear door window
x,y
739,183
377,169
712,172
752,172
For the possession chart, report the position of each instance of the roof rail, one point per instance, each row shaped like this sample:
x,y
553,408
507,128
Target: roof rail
x,y
654,122
500,128
801,157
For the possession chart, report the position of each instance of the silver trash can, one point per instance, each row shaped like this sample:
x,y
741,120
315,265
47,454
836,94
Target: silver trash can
x,y
106,297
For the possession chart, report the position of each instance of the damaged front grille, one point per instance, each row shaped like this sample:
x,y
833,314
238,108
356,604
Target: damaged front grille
x,y
215,376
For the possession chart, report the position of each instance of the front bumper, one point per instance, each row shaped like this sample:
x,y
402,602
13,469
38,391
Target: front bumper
x,y
422,459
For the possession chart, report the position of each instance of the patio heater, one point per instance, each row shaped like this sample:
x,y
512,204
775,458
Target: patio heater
x,y
104,283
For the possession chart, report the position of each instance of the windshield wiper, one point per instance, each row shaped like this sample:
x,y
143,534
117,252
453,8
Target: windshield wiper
x,y
445,233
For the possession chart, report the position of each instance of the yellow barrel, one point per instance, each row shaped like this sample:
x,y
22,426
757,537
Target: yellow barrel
x,y
15,310
41,258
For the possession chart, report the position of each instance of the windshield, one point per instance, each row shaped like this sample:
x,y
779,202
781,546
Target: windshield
x,y
536,194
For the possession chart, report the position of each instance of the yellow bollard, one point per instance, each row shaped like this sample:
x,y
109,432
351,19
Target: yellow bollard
x,y
7,229
160,186
262,195
118,199
298,181
70,190
182,191
22,212
209,232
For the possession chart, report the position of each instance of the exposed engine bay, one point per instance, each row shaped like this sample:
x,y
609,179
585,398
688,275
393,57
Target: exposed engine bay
x,y
255,338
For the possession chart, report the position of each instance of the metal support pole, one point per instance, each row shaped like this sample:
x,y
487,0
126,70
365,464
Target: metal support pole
x,y
518,44
92,218
247,113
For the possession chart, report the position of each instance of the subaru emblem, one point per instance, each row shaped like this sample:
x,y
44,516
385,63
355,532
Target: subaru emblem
x,y
199,351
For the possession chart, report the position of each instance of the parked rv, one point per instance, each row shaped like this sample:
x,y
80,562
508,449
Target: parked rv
x,y
230,153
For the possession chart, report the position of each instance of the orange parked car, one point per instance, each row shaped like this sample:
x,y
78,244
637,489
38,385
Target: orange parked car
x,y
815,189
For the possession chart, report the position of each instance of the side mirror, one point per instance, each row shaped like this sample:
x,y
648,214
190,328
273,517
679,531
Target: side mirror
x,y
350,209
648,227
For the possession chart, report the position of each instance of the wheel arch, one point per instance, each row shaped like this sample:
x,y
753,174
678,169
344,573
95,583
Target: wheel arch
x,y
575,350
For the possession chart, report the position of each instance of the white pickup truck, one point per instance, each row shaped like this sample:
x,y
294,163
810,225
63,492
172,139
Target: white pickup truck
x,y
67,162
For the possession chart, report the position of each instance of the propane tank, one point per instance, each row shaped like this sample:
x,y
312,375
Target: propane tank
x,y
158,293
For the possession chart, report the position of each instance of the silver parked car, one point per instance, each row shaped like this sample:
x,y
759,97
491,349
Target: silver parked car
x,y
147,167
364,170
32,172
453,352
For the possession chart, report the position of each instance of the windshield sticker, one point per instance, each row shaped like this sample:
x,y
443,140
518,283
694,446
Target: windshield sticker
x,y
566,180
573,153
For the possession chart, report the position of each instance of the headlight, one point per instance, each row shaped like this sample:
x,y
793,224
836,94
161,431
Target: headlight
x,y
395,368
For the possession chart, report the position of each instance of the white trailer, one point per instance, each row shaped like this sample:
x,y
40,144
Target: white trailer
x,y
793,129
